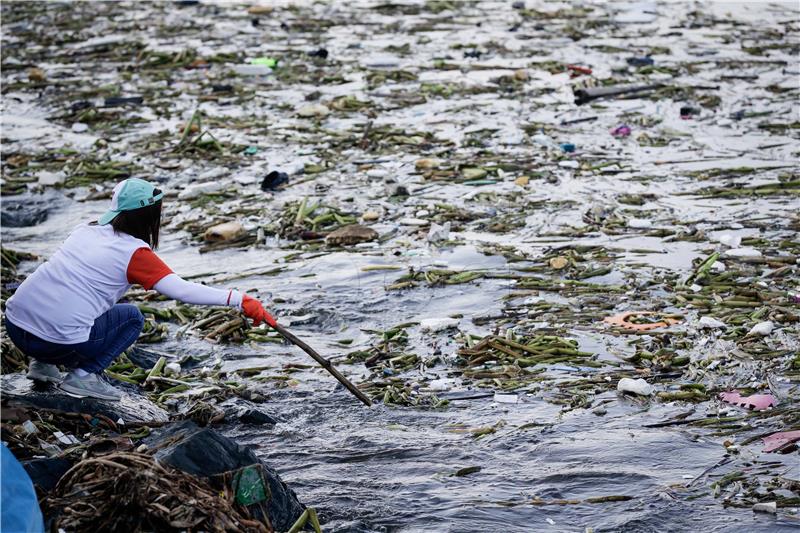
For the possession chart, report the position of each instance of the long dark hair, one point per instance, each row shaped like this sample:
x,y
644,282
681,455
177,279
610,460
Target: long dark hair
x,y
143,223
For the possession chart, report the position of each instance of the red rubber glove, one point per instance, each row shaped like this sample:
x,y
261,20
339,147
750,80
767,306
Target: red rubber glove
x,y
253,309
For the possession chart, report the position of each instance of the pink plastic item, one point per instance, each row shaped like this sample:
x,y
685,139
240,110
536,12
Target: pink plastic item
x,y
758,402
623,130
776,441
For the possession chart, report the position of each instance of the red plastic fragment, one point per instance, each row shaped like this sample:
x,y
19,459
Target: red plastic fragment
x,y
579,70
757,402
779,440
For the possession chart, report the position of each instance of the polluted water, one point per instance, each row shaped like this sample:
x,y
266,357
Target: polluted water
x,y
555,243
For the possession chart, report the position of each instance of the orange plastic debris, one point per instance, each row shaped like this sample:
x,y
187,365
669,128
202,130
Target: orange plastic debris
x,y
623,320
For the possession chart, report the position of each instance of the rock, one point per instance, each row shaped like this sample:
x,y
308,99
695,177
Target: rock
x,y
206,453
80,127
635,386
557,263
45,473
144,357
313,111
254,416
25,210
274,180
36,74
473,173
19,391
352,234
259,10
427,163
227,231
370,216
396,189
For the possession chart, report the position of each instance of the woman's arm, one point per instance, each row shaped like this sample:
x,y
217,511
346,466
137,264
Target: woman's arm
x,y
149,271
177,288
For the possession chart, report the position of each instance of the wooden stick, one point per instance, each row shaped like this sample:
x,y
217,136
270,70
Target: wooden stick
x,y
323,362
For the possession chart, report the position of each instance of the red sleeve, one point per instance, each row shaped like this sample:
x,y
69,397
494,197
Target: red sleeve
x,y
146,268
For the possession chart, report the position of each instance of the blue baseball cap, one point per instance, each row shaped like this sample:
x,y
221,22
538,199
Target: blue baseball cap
x,y
129,194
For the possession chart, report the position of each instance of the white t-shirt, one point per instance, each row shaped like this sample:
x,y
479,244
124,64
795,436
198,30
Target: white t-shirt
x,y
60,301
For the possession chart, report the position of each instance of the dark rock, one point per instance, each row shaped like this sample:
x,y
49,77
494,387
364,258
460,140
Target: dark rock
x,y
273,180
17,390
206,453
45,473
689,111
254,416
115,101
21,212
645,61
80,105
144,357
321,53
246,413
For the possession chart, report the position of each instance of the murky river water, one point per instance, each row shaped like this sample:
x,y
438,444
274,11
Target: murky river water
x,y
393,468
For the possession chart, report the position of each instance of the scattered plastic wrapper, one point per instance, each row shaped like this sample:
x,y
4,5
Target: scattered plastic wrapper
x,y
640,61
762,329
640,223
742,252
635,386
172,369
731,241
439,233
438,324
270,62
765,507
252,70
757,402
623,130
711,323
506,398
